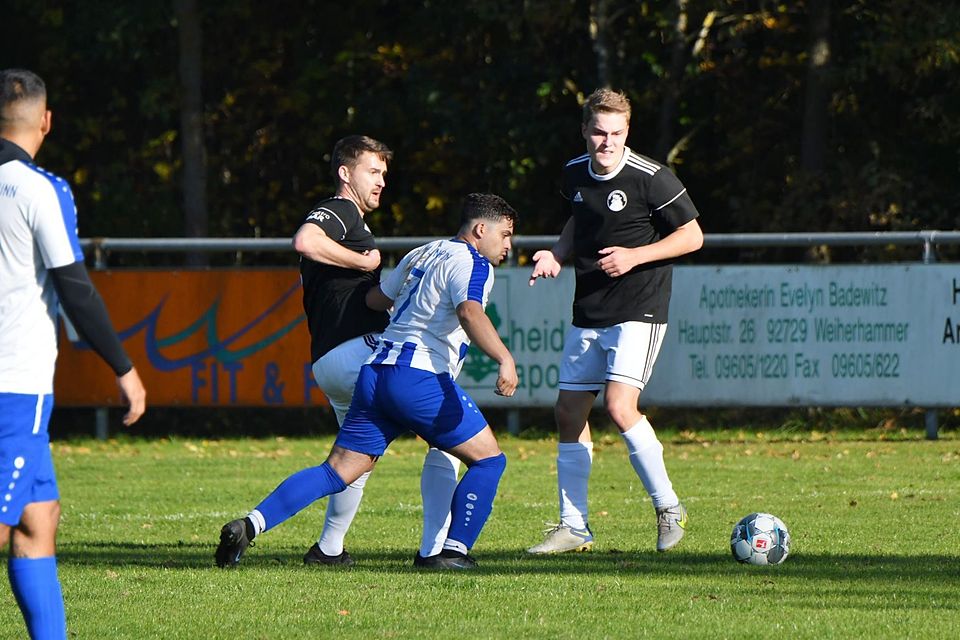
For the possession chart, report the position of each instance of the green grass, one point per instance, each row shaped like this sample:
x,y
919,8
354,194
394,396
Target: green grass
x,y
875,525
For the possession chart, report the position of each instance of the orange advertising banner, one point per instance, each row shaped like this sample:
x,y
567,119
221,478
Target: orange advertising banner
x,y
204,338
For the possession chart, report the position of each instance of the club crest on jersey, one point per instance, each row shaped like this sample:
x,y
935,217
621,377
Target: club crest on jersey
x,y
617,200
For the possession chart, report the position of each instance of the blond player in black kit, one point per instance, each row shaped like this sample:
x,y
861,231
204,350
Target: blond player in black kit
x,y
631,217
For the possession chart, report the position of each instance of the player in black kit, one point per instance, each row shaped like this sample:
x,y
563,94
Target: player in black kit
x,y
631,217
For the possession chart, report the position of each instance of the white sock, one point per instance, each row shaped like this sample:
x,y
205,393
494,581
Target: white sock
x,y
574,461
646,456
341,510
259,524
438,481
453,545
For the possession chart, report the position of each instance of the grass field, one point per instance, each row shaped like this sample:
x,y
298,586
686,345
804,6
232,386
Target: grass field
x,y
875,525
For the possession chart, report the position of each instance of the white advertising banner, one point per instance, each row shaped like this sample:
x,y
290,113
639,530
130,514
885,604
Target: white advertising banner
x,y
533,322
883,335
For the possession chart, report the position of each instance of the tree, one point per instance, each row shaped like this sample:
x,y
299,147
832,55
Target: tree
x,y
817,94
194,168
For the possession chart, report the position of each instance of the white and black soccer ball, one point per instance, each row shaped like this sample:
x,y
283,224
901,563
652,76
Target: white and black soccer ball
x,y
760,538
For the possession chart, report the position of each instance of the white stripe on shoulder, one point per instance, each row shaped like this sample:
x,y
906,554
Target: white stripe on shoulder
x,y
642,165
639,167
579,159
647,161
682,191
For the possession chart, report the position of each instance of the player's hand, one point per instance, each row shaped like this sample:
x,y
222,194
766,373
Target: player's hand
x,y
134,394
545,266
372,259
507,379
617,261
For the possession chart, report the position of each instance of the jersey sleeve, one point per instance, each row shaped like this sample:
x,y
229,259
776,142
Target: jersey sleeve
x,y
393,283
53,220
336,222
669,200
83,305
564,185
470,278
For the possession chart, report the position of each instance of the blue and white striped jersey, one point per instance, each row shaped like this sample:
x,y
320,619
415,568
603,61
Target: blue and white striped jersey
x,y
427,287
38,231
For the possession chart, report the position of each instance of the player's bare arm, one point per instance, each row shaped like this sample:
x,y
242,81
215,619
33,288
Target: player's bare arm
x,y
482,333
311,242
616,261
377,300
547,263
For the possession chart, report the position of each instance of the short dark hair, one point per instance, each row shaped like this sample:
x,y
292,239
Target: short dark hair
x,y
348,150
486,206
19,85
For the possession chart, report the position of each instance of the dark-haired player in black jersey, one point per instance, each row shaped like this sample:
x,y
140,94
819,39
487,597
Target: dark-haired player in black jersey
x,y
631,217
339,263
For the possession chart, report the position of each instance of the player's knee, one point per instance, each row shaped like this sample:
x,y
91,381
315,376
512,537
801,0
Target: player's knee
x,y
39,520
571,411
623,414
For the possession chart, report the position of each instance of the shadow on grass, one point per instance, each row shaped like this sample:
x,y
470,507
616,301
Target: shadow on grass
x,y
944,569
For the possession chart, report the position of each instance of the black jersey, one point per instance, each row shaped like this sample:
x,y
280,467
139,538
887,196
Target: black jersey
x,y
334,297
636,204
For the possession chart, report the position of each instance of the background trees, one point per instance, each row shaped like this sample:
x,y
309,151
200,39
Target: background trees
x,y
806,115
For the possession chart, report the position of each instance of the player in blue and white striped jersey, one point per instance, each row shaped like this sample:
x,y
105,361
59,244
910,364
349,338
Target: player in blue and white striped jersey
x,y
427,286
41,270
438,293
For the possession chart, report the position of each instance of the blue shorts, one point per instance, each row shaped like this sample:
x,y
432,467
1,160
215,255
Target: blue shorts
x,y
391,399
26,465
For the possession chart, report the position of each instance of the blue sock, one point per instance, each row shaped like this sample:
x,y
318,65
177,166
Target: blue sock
x,y
35,586
299,490
473,501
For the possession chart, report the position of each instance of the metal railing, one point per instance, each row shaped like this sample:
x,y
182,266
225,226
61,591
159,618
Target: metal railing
x,y
927,239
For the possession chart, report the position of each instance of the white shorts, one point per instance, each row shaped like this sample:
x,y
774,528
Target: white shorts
x,y
336,371
622,353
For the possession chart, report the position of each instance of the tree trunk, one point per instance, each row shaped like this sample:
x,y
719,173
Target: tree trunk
x,y
600,36
671,85
196,222
815,112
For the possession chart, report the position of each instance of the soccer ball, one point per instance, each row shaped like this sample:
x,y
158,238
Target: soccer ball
x,y
760,538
